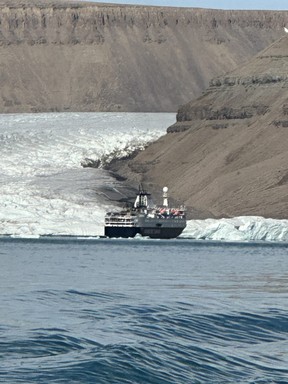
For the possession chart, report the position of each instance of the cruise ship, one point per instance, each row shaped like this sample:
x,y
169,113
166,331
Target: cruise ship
x,y
146,219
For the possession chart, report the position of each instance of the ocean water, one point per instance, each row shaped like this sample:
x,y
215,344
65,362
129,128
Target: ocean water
x,y
142,311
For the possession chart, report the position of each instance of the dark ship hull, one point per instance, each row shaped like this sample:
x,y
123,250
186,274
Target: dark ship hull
x,y
152,232
146,219
121,231
161,233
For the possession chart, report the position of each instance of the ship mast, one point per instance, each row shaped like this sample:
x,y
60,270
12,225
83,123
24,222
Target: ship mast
x,y
165,197
142,198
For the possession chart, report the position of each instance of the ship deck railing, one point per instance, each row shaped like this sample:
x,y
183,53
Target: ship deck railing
x,y
175,217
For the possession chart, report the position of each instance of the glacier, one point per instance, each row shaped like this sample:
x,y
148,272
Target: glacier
x,y
243,228
45,190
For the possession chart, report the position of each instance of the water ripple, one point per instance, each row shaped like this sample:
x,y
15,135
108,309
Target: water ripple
x,y
167,347
124,329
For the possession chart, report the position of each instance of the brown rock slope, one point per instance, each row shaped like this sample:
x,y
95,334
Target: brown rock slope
x,y
227,155
72,56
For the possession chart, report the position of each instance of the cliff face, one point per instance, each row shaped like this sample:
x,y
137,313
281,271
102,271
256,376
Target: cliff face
x,y
227,154
69,56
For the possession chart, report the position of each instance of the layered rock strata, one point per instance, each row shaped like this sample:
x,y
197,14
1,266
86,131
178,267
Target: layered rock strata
x,y
81,56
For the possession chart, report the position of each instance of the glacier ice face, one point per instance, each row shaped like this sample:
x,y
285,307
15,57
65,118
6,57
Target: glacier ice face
x,y
244,228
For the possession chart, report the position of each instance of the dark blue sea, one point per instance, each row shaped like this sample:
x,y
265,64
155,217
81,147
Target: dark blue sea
x,y
142,311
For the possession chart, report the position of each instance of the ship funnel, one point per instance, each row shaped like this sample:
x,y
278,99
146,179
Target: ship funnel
x,y
165,197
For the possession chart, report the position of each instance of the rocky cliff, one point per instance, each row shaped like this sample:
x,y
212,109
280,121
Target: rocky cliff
x,y
227,154
69,56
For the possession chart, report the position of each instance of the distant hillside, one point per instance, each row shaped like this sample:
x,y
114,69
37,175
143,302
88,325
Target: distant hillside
x,y
227,155
69,56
